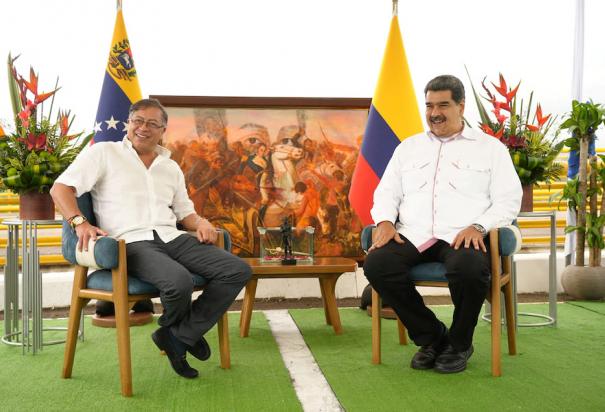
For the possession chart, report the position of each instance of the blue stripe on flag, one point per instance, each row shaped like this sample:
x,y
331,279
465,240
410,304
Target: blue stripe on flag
x,y
379,142
113,104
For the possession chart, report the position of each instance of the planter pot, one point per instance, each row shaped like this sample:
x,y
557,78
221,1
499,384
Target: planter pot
x,y
583,282
527,201
36,206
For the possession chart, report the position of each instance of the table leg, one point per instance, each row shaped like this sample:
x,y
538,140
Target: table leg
x,y
11,287
322,288
330,302
248,303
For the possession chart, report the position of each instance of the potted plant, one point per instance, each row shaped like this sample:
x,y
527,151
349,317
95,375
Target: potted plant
x,y
526,133
579,280
38,149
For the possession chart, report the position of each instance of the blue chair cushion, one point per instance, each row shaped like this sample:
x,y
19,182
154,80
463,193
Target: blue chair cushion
x,y
101,279
431,271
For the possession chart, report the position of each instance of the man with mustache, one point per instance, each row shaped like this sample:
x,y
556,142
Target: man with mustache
x,y
441,193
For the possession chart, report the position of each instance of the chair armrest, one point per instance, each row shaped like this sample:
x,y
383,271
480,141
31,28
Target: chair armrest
x,y
102,254
509,240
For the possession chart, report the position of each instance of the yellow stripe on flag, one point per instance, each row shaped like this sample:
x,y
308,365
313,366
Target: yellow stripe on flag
x,y
394,97
126,79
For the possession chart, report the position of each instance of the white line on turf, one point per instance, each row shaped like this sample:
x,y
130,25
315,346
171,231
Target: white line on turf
x,y
312,388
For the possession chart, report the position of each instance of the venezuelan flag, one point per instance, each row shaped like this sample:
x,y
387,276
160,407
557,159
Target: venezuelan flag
x,y
393,117
120,87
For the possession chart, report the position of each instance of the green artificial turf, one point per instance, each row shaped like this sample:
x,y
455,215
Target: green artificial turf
x,y
556,369
257,380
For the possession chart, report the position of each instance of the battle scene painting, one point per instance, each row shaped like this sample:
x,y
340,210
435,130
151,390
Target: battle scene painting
x,y
247,167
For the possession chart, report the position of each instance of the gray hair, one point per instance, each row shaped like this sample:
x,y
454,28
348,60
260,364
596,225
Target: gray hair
x,y
147,103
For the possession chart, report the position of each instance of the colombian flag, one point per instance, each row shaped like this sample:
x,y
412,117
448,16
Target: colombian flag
x,y
120,87
393,117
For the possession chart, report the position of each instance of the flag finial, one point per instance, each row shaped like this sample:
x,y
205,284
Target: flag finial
x,y
395,3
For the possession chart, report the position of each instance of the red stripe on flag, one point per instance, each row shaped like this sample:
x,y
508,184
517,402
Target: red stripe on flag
x,y
363,184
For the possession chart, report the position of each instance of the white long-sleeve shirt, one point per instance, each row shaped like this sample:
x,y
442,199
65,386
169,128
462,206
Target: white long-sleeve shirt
x,y
433,188
129,200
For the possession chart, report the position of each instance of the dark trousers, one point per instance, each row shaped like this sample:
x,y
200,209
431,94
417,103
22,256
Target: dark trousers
x,y
168,266
468,273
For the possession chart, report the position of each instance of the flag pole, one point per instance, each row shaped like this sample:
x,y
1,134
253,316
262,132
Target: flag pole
x,y
119,4
395,7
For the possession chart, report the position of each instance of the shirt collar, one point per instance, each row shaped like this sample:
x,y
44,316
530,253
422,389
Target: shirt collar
x,y
160,150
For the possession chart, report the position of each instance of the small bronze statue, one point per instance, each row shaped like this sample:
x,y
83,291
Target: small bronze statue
x,y
286,233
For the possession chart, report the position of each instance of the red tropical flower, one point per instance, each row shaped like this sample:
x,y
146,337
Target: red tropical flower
x,y
35,141
541,119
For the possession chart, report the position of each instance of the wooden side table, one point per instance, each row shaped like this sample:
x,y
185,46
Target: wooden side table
x,y
326,269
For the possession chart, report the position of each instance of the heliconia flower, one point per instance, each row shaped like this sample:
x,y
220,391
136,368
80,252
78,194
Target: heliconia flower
x,y
541,119
503,89
41,97
63,123
35,142
533,128
32,85
487,129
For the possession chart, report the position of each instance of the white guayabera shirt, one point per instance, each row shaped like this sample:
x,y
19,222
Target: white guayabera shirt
x,y
433,188
129,200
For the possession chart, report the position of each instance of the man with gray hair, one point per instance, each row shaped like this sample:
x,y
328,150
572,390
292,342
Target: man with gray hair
x,y
139,195
441,192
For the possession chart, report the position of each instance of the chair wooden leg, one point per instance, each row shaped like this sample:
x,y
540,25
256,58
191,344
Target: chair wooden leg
x,y
223,341
123,338
403,336
496,332
73,327
376,306
511,327
75,310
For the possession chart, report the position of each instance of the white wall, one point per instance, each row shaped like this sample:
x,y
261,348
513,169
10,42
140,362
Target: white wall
x,y
298,48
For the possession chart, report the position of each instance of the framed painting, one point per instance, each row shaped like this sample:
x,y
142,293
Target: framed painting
x,y
251,161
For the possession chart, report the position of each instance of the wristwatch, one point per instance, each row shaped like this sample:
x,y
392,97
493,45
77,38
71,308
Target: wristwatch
x,y
479,229
76,220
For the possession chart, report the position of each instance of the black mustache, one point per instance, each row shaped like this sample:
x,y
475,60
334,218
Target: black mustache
x,y
435,118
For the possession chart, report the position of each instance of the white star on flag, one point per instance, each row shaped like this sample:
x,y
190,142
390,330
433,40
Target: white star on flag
x,y
125,126
97,127
112,123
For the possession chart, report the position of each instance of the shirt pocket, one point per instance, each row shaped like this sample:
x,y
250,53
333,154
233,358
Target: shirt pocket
x,y
415,176
470,176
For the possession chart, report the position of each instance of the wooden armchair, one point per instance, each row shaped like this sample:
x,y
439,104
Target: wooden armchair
x,y
504,242
112,283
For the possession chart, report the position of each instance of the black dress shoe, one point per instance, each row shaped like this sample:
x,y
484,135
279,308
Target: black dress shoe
x,y
453,361
426,355
200,350
175,351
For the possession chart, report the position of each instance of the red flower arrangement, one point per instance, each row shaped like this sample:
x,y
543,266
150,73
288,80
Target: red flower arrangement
x,y
38,150
525,134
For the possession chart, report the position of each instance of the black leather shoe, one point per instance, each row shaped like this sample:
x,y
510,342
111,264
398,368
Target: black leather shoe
x,y
426,355
176,353
452,361
200,350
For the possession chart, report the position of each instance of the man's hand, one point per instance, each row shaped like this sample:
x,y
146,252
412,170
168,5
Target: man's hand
x,y
467,237
85,232
206,233
384,232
